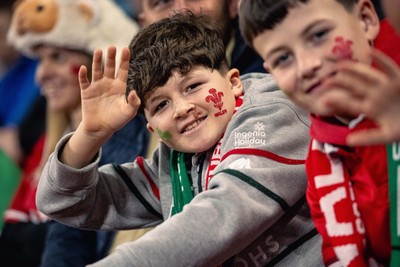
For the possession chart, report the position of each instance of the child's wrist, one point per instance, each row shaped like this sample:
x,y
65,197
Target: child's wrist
x,y
81,148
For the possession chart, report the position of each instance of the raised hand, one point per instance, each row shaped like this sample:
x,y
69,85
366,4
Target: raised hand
x,y
361,89
104,106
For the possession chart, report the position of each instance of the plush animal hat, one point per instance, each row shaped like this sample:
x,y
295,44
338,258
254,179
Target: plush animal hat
x,y
83,25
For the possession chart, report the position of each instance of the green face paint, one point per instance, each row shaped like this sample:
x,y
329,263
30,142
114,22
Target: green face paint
x,y
164,135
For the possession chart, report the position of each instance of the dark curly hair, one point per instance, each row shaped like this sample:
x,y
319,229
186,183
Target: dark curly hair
x,y
178,43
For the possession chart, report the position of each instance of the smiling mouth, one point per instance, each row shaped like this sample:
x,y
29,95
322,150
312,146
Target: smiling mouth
x,y
318,84
193,125
312,88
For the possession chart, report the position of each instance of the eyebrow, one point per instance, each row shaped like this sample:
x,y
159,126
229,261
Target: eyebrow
x,y
302,33
180,80
273,51
151,100
309,27
192,74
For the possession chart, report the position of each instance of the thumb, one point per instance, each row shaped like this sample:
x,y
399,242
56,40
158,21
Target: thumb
x,y
83,79
134,100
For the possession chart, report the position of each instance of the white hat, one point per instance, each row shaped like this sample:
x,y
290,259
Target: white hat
x,y
83,25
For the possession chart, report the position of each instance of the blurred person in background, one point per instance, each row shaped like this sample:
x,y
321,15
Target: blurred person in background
x,y
18,90
64,39
223,12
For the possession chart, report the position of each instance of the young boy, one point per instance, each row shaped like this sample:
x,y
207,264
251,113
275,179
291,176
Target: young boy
x,y
301,43
365,89
227,183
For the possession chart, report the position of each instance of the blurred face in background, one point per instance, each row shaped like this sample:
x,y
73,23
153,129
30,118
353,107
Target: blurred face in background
x,y
57,76
221,11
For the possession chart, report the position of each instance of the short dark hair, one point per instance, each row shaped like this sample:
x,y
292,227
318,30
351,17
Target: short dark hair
x,y
256,16
178,43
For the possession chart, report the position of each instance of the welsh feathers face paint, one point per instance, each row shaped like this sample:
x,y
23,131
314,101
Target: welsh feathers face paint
x,y
342,48
216,97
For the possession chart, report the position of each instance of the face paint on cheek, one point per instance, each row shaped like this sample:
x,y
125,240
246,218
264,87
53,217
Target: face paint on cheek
x,y
165,136
75,69
216,98
342,49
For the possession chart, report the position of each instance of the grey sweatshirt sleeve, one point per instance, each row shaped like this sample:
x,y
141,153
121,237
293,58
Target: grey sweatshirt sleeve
x,y
96,198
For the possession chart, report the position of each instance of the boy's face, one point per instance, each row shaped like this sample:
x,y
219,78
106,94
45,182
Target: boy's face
x,y
302,50
190,113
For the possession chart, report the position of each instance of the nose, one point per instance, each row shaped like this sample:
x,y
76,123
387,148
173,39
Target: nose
x,y
308,63
182,109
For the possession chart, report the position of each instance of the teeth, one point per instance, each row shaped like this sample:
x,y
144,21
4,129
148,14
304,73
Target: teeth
x,y
192,126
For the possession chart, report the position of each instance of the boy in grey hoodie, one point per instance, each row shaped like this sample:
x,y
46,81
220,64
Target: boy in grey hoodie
x,y
226,186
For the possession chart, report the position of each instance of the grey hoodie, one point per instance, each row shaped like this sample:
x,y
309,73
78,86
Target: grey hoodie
x,y
254,212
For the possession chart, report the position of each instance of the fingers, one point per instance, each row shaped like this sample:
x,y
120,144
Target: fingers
x,y
366,137
133,100
341,102
358,78
109,70
124,65
347,82
83,79
97,72
110,64
386,64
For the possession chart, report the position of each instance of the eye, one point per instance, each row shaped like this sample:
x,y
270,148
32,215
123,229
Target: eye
x,y
39,8
280,60
160,106
159,3
319,36
193,86
59,57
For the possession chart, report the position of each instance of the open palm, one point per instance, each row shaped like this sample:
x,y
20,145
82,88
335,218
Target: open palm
x,y
104,106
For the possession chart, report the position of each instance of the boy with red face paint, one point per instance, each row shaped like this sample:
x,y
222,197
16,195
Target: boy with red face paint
x,y
302,41
360,88
227,183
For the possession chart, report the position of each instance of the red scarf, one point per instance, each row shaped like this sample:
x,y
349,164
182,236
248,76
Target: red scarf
x,y
343,223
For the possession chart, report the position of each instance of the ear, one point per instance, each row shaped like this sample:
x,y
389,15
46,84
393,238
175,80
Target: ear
x,y
369,19
86,10
265,66
154,133
234,77
151,130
